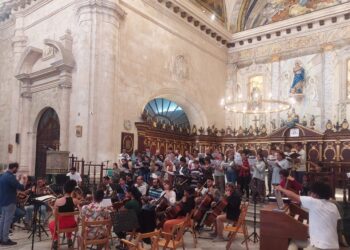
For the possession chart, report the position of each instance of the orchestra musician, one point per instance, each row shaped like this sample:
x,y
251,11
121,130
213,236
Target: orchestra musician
x,y
231,211
96,212
74,175
323,217
65,204
8,196
186,205
155,191
40,189
121,189
141,185
169,194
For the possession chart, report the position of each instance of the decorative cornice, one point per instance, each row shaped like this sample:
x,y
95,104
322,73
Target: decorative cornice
x,y
82,5
188,12
292,27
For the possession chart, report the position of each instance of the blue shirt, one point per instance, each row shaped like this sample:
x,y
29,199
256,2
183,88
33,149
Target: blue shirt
x,y
8,189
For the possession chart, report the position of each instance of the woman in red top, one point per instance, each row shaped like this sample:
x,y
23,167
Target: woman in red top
x,y
288,182
244,174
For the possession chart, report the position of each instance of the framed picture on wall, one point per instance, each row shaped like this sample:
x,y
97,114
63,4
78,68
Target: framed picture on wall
x,y
128,142
79,131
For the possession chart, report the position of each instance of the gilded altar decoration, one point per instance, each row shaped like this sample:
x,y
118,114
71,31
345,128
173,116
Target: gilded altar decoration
x,y
128,142
345,125
329,125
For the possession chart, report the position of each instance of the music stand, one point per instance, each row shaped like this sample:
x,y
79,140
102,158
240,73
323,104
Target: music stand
x,y
254,234
35,222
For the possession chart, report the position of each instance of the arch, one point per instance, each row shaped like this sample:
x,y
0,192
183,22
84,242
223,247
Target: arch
x,y
193,110
65,56
47,137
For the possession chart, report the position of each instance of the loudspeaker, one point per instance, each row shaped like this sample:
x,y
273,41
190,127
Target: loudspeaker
x,y
17,138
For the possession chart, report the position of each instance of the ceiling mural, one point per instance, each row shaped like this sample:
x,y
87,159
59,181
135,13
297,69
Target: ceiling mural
x,y
261,12
216,7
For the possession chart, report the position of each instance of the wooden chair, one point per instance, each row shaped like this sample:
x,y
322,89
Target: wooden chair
x,y
58,230
137,244
189,227
239,227
83,240
174,239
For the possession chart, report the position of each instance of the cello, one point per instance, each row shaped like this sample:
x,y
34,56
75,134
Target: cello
x,y
216,211
203,207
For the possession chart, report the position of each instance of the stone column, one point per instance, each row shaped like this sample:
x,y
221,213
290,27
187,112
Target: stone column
x,y
328,75
19,43
230,95
25,131
275,87
65,86
97,60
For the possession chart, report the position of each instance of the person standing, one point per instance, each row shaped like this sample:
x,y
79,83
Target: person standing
x,y
8,192
258,181
323,217
244,174
219,174
301,170
271,162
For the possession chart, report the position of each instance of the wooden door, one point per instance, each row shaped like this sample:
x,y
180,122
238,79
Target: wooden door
x,y
48,138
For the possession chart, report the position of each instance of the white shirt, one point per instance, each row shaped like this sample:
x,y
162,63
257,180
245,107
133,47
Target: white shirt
x,y
171,197
323,218
142,188
302,158
76,176
259,170
238,159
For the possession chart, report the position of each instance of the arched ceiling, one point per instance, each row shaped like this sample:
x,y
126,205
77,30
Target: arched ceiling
x,y
239,15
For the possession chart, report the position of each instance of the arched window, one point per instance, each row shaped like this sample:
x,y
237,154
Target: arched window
x,y
166,111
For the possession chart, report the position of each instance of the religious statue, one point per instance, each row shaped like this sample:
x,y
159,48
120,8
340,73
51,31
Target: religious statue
x,y
201,130
345,125
188,130
283,123
298,80
209,131
222,132
240,131
293,119
229,130
154,122
251,130
144,115
329,125
303,121
273,124
312,121
163,125
194,130
263,130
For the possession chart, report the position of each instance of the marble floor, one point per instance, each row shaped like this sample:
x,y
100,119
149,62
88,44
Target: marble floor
x,y
204,243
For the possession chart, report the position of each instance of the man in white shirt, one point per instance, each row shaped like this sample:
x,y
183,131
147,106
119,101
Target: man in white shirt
x,y
74,175
323,218
300,171
141,185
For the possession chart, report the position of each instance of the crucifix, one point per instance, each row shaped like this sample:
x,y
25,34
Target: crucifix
x,y
256,120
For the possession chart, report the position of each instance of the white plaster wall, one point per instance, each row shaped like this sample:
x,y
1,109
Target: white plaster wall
x,y
148,41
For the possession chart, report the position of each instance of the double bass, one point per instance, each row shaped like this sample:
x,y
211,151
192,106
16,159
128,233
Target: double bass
x,y
203,207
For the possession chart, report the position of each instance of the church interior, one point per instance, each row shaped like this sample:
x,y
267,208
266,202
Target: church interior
x,y
165,124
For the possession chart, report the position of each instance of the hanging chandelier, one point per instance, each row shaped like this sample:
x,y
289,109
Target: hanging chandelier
x,y
255,104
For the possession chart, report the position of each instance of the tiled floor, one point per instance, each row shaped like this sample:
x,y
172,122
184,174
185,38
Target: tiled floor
x,y
205,244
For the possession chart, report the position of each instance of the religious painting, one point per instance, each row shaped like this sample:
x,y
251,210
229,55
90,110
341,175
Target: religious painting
x,y
256,87
217,7
299,78
263,12
128,142
348,80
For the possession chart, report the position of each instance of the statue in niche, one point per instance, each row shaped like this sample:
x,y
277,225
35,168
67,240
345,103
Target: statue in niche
x,y
298,80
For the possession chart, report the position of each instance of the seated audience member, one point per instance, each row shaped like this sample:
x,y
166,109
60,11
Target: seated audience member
x,y
96,212
289,182
141,185
231,212
74,175
323,217
63,205
107,186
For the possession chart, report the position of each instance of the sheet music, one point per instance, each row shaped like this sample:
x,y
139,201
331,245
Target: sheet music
x,y
106,203
45,197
